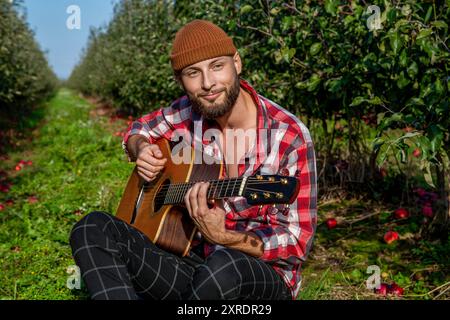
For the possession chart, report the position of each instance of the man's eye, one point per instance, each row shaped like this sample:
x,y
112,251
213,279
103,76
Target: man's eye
x,y
192,74
217,66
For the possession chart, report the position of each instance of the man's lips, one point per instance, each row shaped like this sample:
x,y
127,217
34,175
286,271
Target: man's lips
x,y
211,97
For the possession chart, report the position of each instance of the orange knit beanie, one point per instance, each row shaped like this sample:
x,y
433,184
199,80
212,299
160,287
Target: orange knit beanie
x,y
197,41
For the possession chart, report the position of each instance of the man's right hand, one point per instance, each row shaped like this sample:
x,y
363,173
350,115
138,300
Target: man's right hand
x,y
149,161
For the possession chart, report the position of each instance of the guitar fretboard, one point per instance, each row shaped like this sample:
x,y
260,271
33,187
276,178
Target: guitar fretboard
x,y
218,189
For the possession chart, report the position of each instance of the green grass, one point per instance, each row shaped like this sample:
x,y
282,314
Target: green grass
x,y
79,166
337,265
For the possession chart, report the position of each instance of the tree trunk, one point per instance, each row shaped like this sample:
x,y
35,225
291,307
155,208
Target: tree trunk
x,y
438,228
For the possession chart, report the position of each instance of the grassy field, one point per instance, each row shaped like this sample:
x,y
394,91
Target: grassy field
x,y
77,166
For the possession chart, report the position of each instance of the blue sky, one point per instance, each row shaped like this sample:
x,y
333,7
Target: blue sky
x,y
47,18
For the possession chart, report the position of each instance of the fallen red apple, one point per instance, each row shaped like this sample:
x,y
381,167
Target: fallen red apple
x,y
395,289
18,167
383,289
331,223
427,211
2,207
9,202
32,199
390,237
416,153
420,192
401,213
29,162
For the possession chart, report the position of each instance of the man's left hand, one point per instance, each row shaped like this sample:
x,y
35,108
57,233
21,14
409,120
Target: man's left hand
x,y
209,221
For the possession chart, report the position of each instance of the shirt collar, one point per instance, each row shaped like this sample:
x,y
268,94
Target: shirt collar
x,y
263,126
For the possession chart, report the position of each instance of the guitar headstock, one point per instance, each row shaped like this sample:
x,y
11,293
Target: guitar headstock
x,y
271,189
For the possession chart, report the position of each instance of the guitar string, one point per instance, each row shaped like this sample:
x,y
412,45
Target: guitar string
x,y
183,188
212,189
249,182
177,198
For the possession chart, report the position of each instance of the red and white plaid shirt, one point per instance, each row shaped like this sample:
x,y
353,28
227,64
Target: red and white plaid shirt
x,y
287,233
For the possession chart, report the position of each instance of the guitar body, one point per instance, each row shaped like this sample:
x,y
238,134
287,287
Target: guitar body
x,y
168,226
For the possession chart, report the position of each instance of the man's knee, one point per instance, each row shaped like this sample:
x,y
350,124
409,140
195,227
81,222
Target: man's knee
x,y
221,265
97,218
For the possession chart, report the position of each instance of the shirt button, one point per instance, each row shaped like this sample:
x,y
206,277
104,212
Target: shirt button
x,y
272,210
284,172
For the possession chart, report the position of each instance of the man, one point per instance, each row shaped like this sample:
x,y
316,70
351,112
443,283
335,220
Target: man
x,y
243,251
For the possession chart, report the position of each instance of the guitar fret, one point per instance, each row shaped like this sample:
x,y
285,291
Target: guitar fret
x,y
218,189
226,189
234,187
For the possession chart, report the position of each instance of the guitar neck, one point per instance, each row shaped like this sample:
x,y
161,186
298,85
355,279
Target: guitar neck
x,y
218,189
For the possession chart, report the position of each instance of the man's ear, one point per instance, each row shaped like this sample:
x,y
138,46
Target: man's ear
x,y
237,62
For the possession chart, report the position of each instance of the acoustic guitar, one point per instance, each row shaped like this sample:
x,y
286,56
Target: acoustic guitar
x,y
157,207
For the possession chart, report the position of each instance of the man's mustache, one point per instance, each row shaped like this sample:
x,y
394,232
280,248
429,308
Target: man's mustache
x,y
210,93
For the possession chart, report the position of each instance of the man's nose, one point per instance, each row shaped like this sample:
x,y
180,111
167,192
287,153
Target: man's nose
x,y
208,81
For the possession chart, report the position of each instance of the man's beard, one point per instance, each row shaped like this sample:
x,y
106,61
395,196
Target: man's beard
x,y
216,110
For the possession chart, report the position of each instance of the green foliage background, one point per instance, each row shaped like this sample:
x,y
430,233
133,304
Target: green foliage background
x,y
383,91
25,76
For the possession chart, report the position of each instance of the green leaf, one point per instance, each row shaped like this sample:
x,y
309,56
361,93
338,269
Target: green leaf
x,y
402,81
331,6
412,70
427,174
423,34
315,48
438,86
375,101
395,41
245,9
357,101
439,24
403,59
313,82
428,15
377,143
275,11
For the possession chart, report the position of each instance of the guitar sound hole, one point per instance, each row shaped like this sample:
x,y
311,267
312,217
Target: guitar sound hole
x,y
161,195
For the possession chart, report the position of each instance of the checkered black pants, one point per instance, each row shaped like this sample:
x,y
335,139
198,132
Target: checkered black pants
x,y
117,261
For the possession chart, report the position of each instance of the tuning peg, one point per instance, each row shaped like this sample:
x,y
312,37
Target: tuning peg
x,y
271,179
284,181
254,196
279,195
266,195
259,177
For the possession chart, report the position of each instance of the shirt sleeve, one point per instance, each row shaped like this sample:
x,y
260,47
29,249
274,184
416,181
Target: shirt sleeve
x,y
161,123
288,233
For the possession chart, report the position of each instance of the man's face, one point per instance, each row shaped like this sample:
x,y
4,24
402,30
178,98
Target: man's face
x,y
212,85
